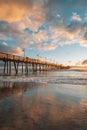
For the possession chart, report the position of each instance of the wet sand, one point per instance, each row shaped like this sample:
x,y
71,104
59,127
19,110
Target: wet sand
x,y
42,106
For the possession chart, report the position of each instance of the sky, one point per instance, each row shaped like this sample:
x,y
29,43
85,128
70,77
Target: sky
x,y
51,30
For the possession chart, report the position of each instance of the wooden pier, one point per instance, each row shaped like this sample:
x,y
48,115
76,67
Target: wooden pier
x,y
26,64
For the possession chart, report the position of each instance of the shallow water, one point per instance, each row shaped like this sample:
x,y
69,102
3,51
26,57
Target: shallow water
x,y
51,101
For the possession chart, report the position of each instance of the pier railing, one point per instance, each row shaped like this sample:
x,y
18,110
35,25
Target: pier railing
x,y
36,64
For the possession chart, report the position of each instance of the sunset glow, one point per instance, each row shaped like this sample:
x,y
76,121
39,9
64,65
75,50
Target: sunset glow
x,y
53,29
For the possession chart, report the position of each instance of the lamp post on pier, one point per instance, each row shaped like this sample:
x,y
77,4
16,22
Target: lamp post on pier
x,y
45,59
38,56
24,51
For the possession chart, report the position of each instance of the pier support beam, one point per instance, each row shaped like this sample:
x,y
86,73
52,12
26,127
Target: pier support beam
x,y
16,64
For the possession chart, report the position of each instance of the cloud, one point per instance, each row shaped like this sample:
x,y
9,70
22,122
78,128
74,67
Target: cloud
x,y
10,49
40,36
73,32
6,28
51,46
67,3
84,62
83,42
2,36
21,14
41,24
85,18
14,11
64,35
75,17
79,63
83,38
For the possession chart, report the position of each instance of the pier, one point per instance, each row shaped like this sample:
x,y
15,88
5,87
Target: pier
x,y
25,64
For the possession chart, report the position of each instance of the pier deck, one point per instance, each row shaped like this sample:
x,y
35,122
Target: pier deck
x,y
26,64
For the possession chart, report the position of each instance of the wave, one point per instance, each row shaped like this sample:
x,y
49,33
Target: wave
x,y
52,80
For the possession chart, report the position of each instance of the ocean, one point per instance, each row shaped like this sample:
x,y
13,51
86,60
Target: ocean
x,y
55,100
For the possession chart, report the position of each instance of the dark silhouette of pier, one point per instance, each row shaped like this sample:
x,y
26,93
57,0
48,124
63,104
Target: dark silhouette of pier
x,y
25,64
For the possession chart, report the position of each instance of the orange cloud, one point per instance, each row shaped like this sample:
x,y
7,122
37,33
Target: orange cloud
x,y
79,63
18,10
40,36
51,46
83,42
11,12
84,62
10,49
31,14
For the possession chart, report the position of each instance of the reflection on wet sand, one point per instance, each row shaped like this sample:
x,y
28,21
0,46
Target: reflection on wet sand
x,y
10,89
31,106
14,89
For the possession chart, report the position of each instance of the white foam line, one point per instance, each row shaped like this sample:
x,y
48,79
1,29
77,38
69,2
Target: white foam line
x,y
23,79
44,80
